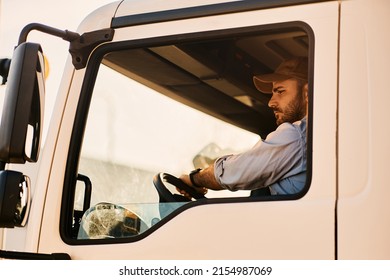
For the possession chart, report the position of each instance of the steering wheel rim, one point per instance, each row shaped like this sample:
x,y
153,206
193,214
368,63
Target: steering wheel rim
x,y
166,195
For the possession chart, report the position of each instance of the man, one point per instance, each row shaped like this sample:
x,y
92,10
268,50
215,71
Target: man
x,y
279,161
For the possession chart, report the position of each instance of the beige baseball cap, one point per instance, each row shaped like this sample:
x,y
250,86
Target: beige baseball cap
x,y
292,68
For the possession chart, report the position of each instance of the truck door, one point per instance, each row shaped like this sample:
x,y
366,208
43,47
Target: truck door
x,y
172,92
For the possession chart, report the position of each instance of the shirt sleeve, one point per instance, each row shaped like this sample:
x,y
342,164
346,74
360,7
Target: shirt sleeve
x,y
267,162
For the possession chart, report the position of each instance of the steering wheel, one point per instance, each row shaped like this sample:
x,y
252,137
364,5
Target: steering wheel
x,y
166,196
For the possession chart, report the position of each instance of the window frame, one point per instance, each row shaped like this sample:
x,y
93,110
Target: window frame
x,y
86,93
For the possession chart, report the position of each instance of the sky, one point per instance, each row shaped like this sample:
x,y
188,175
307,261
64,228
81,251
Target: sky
x,y
64,15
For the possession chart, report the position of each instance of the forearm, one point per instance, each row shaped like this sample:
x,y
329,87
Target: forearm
x,y
205,178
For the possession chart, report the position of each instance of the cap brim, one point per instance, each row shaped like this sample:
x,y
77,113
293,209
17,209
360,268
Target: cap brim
x,y
264,82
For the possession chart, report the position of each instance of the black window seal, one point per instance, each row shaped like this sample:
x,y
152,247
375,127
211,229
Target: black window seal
x,y
82,114
205,10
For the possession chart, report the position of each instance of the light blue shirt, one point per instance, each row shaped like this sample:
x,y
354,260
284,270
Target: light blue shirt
x,y
278,162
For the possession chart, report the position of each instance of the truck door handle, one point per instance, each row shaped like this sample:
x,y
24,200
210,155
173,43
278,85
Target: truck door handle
x,y
88,190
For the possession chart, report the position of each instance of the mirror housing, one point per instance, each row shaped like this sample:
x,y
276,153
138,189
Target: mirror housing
x,y
22,116
4,69
14,199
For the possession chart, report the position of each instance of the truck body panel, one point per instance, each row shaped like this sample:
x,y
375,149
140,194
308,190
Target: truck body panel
x,y
341,214
362,187
318,239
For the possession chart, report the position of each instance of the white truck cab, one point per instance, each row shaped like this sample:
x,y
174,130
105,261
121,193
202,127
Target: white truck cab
x,y
154,89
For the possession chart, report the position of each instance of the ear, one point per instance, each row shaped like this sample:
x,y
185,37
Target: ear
x,y
306,92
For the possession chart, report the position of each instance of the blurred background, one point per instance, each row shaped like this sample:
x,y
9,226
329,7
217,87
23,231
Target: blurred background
x,y
16,14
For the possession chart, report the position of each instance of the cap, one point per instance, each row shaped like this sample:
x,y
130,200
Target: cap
x,y
292,68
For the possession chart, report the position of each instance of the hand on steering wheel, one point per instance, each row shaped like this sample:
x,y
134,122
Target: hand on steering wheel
x,y
166,196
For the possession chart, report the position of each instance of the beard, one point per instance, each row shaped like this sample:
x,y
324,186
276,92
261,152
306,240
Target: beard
x,y
294,111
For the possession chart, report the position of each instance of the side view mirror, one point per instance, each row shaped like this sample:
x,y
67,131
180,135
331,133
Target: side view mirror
x,y
22,116
14,199
4,69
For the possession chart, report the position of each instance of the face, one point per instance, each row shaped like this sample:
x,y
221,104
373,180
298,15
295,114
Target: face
x,y
289,101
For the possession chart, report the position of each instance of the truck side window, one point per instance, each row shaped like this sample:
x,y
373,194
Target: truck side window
x,y
133,133
163,110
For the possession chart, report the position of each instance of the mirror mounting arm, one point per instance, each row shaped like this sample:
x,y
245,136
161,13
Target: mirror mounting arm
x,y
81,46
64,34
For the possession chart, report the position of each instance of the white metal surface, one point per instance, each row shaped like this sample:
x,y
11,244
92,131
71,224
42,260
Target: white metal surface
x,y
364,135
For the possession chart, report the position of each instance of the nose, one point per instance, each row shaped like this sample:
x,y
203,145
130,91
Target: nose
x,y
272,102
